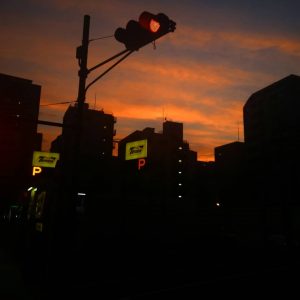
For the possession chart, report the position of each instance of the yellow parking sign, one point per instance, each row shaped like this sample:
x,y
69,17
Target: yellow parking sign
x,y
45,159
137,149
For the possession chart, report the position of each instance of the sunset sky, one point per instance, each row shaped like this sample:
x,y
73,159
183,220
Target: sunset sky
x,y
200,75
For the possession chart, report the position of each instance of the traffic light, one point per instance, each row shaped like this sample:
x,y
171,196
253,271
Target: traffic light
x,y
149,28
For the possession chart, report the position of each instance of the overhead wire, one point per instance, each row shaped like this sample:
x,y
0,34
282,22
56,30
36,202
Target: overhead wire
x,y
57,103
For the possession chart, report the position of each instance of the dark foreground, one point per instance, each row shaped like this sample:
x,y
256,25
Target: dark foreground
x,y
142,270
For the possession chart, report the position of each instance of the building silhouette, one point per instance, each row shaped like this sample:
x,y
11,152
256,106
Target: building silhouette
x,y
272,138
238,217
272,122
95,142
170,194
19,109
230,168
257,181
97,133
272,134
168,161
86,173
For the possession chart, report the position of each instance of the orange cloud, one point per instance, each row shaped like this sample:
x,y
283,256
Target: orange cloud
x,y
195,37
176,81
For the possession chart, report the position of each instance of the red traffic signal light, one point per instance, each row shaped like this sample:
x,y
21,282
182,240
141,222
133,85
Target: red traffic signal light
x,y
159,24
149,28
149,22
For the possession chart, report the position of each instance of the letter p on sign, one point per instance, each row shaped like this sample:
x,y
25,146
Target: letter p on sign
x,y
141,163
36,170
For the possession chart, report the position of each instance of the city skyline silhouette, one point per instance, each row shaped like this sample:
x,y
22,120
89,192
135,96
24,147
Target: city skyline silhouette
x,y
150,153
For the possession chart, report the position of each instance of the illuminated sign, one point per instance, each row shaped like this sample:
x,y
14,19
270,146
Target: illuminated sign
x,y
141,163
36,170
45,159
137,149
39,226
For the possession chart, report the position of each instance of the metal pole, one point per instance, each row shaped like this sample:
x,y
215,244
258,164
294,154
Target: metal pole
x,y
74,164
83,55
105,72
108,60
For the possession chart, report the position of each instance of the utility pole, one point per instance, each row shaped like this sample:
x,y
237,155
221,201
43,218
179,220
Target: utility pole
x,y
72,178
82,55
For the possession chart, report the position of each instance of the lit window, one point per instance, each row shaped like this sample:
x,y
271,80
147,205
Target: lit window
x,y
180,148
18,116
218,204
180,184
179,172
179,196
180,161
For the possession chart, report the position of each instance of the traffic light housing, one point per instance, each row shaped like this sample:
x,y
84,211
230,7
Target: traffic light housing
x,y
149,28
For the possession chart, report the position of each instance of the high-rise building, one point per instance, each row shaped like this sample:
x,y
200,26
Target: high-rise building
x,y
230,167
155,177
19,109
96,138
272,121
167,162
92,149
272,139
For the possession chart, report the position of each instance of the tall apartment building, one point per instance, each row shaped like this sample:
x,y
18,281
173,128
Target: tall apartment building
x,y
272,121
272,139
167,161
96,141
19,109
230,174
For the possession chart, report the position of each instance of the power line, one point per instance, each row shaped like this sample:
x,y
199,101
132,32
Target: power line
x,y
57,103
101,38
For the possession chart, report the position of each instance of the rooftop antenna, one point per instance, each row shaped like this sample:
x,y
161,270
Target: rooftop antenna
x,y
164,115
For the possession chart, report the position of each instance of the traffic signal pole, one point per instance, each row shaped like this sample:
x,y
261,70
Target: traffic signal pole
x,y
82,55
72,179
